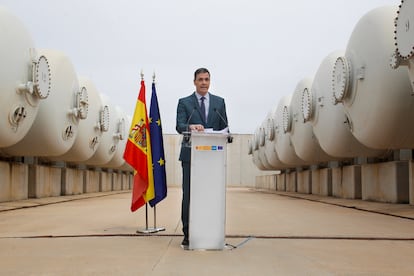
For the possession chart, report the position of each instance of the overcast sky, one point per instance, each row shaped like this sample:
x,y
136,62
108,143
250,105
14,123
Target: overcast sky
x,y
256,50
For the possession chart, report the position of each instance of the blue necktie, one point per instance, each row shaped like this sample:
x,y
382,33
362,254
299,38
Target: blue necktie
x,y
203,109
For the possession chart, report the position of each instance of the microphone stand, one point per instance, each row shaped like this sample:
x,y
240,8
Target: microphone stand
x,y
187,134
229,137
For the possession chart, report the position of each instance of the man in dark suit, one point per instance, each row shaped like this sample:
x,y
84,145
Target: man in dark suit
x,y
199,111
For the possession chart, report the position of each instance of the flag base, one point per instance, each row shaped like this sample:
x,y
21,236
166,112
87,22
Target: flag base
x,y
159,229
147,231
150,230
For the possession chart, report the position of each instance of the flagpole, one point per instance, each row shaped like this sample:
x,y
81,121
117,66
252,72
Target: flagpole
x,y
147,230
159,229
155,206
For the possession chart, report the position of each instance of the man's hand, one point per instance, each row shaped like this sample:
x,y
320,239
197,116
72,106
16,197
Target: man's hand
x,y
196,127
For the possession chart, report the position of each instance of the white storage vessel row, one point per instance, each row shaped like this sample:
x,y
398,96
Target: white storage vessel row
x,y
357,110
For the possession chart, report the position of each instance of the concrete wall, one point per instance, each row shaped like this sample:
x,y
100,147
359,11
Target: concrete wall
x,y
304,182
391,182
44,181
72,181
346,182
20,181
386,182
267,182
13,181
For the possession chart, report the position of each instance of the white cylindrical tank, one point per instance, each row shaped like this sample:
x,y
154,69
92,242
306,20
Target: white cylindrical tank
x,y
109,123
125,166
55,128
120,138
24,80
254,159
89,129
270,142
378,100
262,150
329,121
284,147
255,151
304,141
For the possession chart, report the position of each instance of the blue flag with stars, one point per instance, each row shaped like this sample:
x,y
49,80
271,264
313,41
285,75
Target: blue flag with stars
x,y
157,147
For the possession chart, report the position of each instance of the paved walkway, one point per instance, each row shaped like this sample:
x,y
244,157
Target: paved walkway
x,y
268,233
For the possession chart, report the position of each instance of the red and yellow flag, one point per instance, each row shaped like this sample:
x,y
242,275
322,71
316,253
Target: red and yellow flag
x,y
138,154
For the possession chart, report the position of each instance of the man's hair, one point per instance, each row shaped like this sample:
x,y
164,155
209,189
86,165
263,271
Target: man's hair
x,y
200,71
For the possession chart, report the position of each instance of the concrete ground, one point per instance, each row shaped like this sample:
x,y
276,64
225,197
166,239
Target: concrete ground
x,y
268,233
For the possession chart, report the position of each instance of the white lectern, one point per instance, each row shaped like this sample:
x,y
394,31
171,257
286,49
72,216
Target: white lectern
x,y
208,191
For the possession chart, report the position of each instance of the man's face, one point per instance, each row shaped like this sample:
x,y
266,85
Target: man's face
x,y
202,83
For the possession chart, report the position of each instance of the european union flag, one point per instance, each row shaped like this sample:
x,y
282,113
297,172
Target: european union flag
x,y
157,144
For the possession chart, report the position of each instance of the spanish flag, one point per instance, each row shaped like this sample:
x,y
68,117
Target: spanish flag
x,y
138,154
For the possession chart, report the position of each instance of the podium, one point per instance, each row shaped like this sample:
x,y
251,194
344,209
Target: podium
x,y
207,215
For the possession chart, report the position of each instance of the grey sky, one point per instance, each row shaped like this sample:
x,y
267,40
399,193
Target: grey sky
x,y
257,51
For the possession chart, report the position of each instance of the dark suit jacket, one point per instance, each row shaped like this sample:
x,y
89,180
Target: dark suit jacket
x,y
188,113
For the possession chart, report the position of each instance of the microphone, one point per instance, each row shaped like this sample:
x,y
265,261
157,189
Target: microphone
x,y
229,138
189,118
221,117
187,133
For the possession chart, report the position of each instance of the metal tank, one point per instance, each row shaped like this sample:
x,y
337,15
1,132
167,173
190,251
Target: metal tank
x,y
378,100
56,125
255,151
250,151
24,80
89,129
329,121
109,125
304,141
262,150
284,147
120,138
270,142
125,166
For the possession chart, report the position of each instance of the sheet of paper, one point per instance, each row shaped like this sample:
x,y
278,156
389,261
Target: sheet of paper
x,y
210,130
